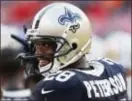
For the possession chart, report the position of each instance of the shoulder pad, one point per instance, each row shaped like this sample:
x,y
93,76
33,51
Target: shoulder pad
x,y
111,65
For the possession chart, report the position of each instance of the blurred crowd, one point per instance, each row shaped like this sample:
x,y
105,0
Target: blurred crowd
x,y
111,22
104,15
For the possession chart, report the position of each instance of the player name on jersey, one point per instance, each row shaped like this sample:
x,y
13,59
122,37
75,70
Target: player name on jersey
x,y
106,87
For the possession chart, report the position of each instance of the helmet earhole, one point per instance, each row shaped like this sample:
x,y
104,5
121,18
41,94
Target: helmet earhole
x,y
74,46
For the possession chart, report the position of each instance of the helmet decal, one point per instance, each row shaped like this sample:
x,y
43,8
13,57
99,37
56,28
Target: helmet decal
x,y
69,16
74,27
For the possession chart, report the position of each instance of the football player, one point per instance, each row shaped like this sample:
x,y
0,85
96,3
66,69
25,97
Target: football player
x,y
59,43
12,79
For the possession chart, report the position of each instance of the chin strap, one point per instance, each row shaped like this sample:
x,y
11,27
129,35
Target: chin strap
x,y
45,68
54,68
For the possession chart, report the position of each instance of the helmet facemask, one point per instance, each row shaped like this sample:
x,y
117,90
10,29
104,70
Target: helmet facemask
x,y
60,47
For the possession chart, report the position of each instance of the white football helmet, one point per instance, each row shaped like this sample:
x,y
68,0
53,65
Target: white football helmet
x,y
67,26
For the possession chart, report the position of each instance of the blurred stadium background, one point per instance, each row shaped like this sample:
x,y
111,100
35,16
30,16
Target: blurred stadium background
x,y
111,22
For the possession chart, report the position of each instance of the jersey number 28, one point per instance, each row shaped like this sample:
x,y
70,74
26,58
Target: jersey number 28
x,y
61,77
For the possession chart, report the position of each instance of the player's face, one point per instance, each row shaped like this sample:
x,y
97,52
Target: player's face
x,y
45,49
